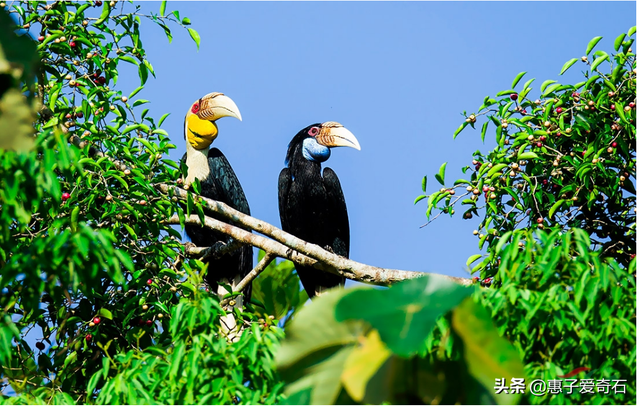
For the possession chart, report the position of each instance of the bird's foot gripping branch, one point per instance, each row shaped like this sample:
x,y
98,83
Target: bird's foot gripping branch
x,y
276,243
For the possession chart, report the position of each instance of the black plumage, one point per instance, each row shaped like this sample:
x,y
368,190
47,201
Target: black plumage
x,y
222,185
312,208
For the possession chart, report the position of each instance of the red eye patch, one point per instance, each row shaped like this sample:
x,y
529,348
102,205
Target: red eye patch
x,y
313,131
195,108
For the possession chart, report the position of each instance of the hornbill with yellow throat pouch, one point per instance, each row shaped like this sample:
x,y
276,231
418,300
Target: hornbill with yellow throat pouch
x,y
218,182
311,204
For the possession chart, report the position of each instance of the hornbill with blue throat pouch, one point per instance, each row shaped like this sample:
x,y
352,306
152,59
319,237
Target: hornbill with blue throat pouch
x,y
311,203
218,181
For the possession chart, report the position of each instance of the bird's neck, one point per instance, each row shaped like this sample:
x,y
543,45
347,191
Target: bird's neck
x,y
300,166
197,164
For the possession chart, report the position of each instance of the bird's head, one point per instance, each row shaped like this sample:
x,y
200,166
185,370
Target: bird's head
x,y
200,128
317,139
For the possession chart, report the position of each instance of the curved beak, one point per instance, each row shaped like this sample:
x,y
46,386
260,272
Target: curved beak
x,y
216,105
333,134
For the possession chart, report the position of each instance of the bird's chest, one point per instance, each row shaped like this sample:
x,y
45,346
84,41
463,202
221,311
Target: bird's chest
x,y
310,196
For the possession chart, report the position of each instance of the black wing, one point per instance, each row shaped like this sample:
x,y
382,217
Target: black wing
x,y
337,212
227,188
284,183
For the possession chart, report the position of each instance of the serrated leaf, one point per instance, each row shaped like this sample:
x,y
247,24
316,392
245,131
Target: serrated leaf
x,y
517,79
592,44
568,65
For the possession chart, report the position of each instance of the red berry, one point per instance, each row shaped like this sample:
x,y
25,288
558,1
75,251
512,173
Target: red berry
x,y
524,111
141,322
545,182
614,144
149,322
632,105
514,96
72,44
88,337
575,94
98,3
538,144
149,281
633,256
487,281
102,80
41,38
96,320
80,115
584,152
476,279
543,138
485,188
40,345
540,220
68,116
452,192
65,196
559,110
613,107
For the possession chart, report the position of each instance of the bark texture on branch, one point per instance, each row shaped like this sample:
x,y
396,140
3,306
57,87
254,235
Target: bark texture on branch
x,y
288,246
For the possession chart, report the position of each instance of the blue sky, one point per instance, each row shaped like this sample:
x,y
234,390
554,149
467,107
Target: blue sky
x,y
397,74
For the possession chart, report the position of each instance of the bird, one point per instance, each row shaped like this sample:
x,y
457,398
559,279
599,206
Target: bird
x,y
311,203
218,181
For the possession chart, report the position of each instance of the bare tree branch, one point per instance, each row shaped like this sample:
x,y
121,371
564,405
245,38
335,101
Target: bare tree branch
x,y
288,246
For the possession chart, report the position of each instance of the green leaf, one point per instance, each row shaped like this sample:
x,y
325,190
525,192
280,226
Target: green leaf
x,y
424,184
568,65
631,31
440,175
103,312
488,355
472,259
462,126
418,199
598,61
163,7
483,132
592,44
105,13
315,349
618,42
195,36
545,84
517,79
527,155
555,207
362,364
405,313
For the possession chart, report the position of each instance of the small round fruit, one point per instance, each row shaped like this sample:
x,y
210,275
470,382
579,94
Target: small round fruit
x,y
88,337
547,124
145,307
96,320
41,38
452,192
610,94
610,150
142,202
545,182
594,161
72,82
584,59
149,322
512,173
160,316
623,178
505,125
538,144
485,188
632,105
559,110
613,107
591,103
72,44
614,144
540,220
149,281
79,115
65,196
475,232
513,96
127,172
98,3
124,99
476,279
492,196
85,23
91,324
40,345
627,108
101,80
